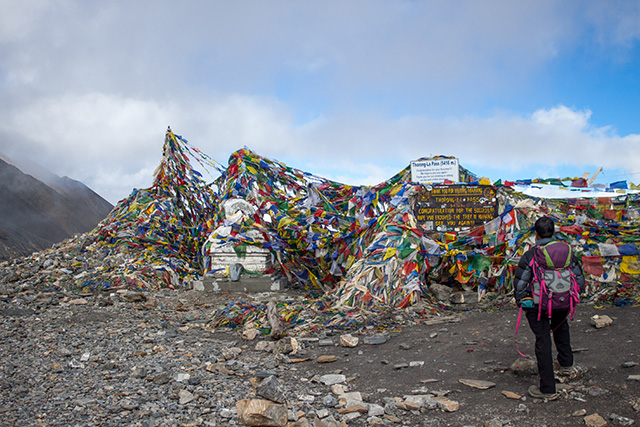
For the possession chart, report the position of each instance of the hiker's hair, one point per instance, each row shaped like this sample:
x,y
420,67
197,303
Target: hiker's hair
x,y
544,227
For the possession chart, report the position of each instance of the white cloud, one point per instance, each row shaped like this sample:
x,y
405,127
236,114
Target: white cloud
x,y
113,144
90,87
547,138
18,19
147,47
615,22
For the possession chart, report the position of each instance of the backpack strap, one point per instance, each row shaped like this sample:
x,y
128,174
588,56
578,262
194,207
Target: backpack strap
x,y
538,278
515,339
548,259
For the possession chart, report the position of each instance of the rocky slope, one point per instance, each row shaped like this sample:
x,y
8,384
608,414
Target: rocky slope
x,y
34,215
152,359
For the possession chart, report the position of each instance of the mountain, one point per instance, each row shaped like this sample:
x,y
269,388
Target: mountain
x,y
34,215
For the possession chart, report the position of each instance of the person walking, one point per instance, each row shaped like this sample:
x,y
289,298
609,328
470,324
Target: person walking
x,y
545,323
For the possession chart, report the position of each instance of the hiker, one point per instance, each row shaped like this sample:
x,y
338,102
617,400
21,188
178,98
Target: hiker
x,y
550,320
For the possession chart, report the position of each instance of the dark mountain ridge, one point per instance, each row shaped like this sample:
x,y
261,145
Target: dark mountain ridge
x,y
35,215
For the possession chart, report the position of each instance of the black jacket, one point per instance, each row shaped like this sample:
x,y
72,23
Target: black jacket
x,y
524,274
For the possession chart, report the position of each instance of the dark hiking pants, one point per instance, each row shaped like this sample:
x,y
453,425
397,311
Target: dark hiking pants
x,y
558,325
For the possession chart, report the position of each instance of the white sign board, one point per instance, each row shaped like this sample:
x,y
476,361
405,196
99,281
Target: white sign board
x,y
435,171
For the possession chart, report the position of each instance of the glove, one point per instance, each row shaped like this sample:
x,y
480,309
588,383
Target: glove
x,y
526,302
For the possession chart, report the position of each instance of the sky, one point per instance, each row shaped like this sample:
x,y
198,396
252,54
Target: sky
x,y
352,91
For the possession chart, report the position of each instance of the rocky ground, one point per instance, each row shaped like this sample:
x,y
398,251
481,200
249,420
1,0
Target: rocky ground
x,y
151,360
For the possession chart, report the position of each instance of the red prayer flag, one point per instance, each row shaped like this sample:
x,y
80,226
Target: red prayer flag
x,y
592,265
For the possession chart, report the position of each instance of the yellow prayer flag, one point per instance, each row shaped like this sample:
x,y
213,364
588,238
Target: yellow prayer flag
x,y
630,265
389,253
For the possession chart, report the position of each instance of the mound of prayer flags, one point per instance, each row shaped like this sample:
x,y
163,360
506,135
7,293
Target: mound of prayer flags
x,y
352,247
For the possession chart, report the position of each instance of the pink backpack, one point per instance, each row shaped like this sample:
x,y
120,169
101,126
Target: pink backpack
x,y
554,286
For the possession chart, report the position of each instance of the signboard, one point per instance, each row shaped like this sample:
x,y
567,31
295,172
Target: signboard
x,y
446,207
435,171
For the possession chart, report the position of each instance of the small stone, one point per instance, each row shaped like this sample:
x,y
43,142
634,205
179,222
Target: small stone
x,y
350,416
133,296
441,292
326,358
128,405
331,379
78,365
457,298
227,413
594,420
424,400
162,378
272,389
601,321
579,413
511,395
186,397
339,389
629,364
619,420
446,404
139,372
260,412
306,398
87,401
264,346
633,378
265,374
524,366
416,363
250,334
351,397
408,406
348,340
330,401
400,365
356,407
375,410
286,345
479,384
322,413
327,342
182,377
392,418
78,301
375,340
374,421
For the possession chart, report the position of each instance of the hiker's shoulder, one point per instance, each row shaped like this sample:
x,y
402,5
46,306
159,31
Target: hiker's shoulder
x,y
553,244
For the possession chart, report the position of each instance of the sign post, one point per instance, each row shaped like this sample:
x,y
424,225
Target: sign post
x,y
435,171
446,207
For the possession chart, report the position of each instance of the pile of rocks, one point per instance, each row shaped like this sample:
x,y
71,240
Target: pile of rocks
x,y
148,359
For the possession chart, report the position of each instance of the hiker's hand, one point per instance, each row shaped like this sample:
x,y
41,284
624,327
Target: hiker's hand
x,y
526,302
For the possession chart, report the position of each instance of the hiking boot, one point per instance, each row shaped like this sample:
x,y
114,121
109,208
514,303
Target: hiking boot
x,y
567,371
564,374
534,391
